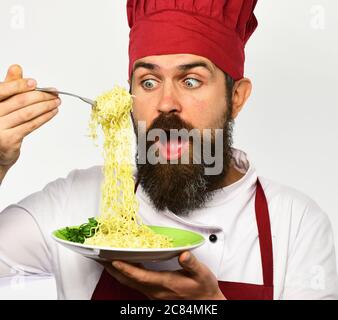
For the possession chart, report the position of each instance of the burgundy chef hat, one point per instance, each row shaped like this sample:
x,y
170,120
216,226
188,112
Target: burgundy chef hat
x,y
215,29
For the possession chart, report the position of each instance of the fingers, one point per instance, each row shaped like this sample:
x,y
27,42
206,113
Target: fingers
x,y
120,277
143,276
146,287
23,100
28,113
165,284
186,260
28,127
189,263
14,73
22,110
8,89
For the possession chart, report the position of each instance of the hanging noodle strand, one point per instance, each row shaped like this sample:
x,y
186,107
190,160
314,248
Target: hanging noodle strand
x,y
119,224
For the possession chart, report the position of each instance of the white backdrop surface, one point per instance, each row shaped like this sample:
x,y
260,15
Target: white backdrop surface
x,y
288,127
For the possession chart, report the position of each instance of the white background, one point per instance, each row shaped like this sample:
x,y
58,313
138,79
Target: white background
x,y
288,127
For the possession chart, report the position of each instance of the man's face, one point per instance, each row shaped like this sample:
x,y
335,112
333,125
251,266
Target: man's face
x,y
171,84
181,91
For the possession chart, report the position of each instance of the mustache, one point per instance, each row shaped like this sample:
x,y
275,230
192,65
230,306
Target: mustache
x,y
167,122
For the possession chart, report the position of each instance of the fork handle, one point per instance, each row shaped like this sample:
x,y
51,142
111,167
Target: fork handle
x,y
57,92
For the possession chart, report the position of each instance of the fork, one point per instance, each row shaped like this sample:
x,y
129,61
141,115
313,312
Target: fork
x,y
57,92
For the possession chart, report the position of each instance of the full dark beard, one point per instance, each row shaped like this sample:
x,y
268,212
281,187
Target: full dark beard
x,y
182,188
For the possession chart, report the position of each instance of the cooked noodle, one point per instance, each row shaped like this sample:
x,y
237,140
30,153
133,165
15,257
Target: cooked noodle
x,y
118,223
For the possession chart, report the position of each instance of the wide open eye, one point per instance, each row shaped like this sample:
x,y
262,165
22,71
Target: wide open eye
x,y
192,83
148,84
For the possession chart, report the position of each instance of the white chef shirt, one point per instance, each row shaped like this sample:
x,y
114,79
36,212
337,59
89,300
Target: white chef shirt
x,y
303,244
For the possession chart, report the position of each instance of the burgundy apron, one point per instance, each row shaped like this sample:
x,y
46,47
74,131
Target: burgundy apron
x,y
110,289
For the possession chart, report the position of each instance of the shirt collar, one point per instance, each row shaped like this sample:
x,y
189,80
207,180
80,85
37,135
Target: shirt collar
x,y
241,163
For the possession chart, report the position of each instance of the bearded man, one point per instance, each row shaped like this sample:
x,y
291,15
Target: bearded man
x,y
186,73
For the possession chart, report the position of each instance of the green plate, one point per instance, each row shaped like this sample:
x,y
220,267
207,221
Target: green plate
x,y
182,240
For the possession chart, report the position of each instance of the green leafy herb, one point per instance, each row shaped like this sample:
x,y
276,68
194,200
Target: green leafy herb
x,y
79,234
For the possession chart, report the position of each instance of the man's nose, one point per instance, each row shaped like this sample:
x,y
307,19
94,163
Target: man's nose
x,y
169,101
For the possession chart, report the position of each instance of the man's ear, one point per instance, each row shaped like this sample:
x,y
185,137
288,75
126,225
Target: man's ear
x,y
240,94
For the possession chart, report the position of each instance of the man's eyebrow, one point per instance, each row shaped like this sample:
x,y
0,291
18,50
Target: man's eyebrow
x,y
146,65
182,67
188,66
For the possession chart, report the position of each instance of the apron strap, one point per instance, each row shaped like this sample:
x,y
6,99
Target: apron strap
x,y
264,233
